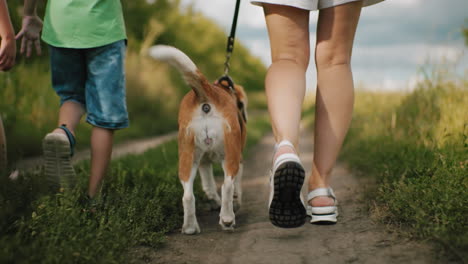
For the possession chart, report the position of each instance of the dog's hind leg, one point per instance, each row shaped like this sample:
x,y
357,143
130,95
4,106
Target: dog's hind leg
x,y
230,164
188,166
190,226
209,184
227,219
238,188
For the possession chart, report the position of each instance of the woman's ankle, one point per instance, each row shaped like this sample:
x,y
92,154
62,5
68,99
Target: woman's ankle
x,y
322,201
318,181
283,150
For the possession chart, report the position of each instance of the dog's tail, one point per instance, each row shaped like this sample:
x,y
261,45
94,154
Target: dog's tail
x,y
185,65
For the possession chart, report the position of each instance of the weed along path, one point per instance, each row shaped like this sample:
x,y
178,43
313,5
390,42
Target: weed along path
x,y
354,239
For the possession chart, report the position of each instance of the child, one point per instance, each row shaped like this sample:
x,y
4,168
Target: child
x,y
87,43
7,39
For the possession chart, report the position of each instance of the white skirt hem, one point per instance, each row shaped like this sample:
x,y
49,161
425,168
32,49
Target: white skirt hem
x,y
312,5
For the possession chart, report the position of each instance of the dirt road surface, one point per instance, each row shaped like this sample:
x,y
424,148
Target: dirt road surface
x,y
137,146
354,239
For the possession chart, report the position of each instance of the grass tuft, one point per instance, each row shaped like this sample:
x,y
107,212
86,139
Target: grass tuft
x,y
415,146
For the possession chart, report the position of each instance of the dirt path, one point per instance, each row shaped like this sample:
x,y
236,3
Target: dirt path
x,y
137,146
355,239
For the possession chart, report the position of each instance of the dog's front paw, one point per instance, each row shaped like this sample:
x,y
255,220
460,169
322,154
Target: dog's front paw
x,y
190,229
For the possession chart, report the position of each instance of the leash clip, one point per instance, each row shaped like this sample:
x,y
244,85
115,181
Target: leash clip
x,y
230,83
227,66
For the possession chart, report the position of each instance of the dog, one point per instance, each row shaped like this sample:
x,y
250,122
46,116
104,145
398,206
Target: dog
x,y
212,128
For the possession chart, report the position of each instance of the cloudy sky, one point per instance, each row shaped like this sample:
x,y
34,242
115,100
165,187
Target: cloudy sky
x,y
394,38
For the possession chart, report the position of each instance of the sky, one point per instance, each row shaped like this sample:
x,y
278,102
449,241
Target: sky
x,y
393,42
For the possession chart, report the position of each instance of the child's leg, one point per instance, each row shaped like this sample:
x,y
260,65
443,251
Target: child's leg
x,y
101,150
58,147
335,34
70,115
68,80
106,105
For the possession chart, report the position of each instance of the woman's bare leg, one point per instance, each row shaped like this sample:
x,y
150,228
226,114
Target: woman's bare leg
x,y
288,29
335,90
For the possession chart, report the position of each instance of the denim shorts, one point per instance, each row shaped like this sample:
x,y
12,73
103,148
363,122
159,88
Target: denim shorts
x,y
95,78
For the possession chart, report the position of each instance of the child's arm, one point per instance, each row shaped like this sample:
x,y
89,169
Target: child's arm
x,y
31,29
7,36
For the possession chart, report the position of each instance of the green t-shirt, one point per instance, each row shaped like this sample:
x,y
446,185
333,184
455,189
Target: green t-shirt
x,y
83,23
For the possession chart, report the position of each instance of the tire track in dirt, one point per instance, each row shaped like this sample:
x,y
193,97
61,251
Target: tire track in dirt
x,y
354,239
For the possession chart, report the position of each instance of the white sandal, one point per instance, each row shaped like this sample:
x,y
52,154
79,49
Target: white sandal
x,y
286,207
322,214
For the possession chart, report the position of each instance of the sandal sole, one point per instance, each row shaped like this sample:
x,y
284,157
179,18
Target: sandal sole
x,y
286,208
58,168
325,219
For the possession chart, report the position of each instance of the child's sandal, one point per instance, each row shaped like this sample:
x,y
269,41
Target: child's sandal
x,y
58,150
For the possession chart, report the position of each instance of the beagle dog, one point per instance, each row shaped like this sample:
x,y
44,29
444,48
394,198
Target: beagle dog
x,y
212,128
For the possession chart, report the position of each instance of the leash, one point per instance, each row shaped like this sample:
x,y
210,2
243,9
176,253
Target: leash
x,y
230,40
229,49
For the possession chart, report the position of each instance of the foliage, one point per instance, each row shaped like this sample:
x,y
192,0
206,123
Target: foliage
x,y
415,146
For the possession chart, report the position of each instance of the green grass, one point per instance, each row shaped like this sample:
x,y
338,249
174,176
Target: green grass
x,y
139,203
415,145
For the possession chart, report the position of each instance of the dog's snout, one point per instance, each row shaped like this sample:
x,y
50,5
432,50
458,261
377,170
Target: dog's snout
x,y
206,108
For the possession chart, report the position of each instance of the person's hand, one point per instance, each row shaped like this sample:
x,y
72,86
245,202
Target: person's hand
x,y
30,34
7,53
